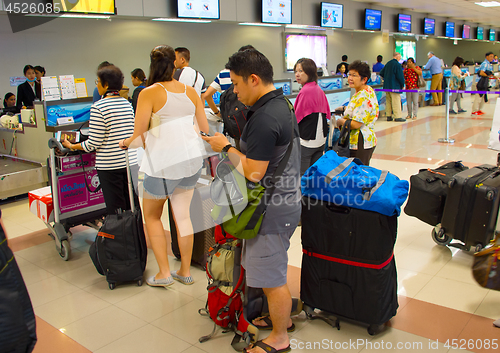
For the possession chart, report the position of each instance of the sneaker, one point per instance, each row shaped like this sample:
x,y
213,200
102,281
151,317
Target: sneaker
x,y
414,117
462,111
476,113
389,118
400,119
480,112
452,111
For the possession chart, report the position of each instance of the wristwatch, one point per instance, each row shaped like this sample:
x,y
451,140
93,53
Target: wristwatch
x,y
226,148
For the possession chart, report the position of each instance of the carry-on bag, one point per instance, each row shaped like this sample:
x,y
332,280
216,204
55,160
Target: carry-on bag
x,y
471,208
347,182
428,190
17,319
348,266
203,226
120,251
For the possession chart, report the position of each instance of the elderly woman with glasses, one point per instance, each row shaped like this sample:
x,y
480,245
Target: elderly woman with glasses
x,y
111,121
363,111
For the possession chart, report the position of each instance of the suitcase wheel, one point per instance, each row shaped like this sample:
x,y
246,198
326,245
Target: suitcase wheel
x,y
478,247
374,329
112,286
139,282
440,237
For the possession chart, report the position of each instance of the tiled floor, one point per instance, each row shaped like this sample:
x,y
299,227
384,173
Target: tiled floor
x,y
439,300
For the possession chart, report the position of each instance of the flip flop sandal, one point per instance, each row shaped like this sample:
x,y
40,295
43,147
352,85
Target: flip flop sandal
x,y
269,325
268,348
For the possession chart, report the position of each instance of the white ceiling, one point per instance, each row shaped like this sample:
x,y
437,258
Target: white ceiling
x,y
465,10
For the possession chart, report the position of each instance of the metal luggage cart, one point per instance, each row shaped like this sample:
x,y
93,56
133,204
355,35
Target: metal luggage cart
x,y
73,203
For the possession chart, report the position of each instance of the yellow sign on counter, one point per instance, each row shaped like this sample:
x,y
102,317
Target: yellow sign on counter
x,y
86,6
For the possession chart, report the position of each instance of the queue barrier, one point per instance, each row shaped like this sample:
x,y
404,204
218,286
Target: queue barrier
x,y
446,92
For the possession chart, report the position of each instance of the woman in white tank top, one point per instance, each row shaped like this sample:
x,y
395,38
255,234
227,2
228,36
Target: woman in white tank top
x,y
172,160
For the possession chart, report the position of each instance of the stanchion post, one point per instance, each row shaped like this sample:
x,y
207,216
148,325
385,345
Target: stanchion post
x,y
447,139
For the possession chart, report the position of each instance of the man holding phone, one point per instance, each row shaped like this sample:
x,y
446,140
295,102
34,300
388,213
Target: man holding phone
x,y
263,143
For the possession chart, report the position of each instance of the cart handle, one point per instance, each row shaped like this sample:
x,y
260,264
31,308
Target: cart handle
x,y
54,143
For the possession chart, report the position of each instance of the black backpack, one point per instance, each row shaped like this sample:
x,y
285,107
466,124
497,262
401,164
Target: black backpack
x,y
233,113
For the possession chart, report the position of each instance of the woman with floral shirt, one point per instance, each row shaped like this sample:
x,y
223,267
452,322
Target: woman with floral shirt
x,y
363,112
411,74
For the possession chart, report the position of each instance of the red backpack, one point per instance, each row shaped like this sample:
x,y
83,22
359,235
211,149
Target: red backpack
x,y
226,303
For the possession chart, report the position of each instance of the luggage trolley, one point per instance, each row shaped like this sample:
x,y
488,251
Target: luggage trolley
x,y
73,203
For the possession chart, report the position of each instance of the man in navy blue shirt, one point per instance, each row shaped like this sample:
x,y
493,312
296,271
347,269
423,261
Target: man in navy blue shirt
x,y
485,70
434,65
378,66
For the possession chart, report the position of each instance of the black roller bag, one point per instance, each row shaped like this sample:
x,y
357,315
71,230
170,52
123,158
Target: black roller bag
x,y
120,251
428,190
203,225
471,209
17,319
348,265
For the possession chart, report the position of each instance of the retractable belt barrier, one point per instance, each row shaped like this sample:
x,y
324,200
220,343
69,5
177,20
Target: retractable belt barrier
x,y
446,92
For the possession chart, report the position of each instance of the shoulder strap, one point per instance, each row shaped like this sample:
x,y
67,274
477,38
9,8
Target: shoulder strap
x,y
159,84
268,193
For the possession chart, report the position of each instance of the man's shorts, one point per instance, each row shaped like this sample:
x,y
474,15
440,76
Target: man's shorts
x,y
265,259
159,188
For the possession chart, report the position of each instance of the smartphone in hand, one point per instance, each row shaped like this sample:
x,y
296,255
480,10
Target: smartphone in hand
x,y
204,134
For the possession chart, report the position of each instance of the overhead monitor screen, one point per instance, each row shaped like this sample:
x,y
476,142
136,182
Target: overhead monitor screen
x,y
304,46
332,15
466,32
404,23
206,9
480,33
492,35
450,29
373,19
106,7
277,11
429,26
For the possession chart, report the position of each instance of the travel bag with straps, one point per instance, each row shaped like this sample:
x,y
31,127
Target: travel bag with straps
x,y
347,182
240,204
233,113
226,291
341,147
428,191
119,251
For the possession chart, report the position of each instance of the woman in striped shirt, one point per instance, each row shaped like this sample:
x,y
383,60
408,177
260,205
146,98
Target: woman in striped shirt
x,y
111,121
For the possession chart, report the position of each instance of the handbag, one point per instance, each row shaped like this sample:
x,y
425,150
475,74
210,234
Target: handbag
x,y
341,147
421,81
240,204
347,182
485,267
462,85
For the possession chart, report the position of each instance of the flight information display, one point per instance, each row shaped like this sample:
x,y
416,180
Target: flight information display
x,y
332,15
277,11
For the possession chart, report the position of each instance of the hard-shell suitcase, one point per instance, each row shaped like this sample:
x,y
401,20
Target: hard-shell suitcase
x,y
471,208
203,224
120,251
348,266
17,319
428,190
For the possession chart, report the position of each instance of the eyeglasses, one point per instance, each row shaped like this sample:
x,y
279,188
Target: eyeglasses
x,y
353,75
96,81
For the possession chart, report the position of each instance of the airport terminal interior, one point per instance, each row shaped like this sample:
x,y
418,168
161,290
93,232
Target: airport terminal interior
x,y
441,307
439,301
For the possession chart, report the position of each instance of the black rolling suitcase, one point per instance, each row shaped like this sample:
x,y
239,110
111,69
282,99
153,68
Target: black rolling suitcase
x,y
17,319
471,208
428,190
348,265
203,225
120,251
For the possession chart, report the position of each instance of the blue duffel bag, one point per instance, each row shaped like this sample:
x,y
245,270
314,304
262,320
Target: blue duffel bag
x,y
347,182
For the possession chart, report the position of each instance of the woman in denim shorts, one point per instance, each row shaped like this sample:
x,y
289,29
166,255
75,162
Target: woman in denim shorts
x,y
168,119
